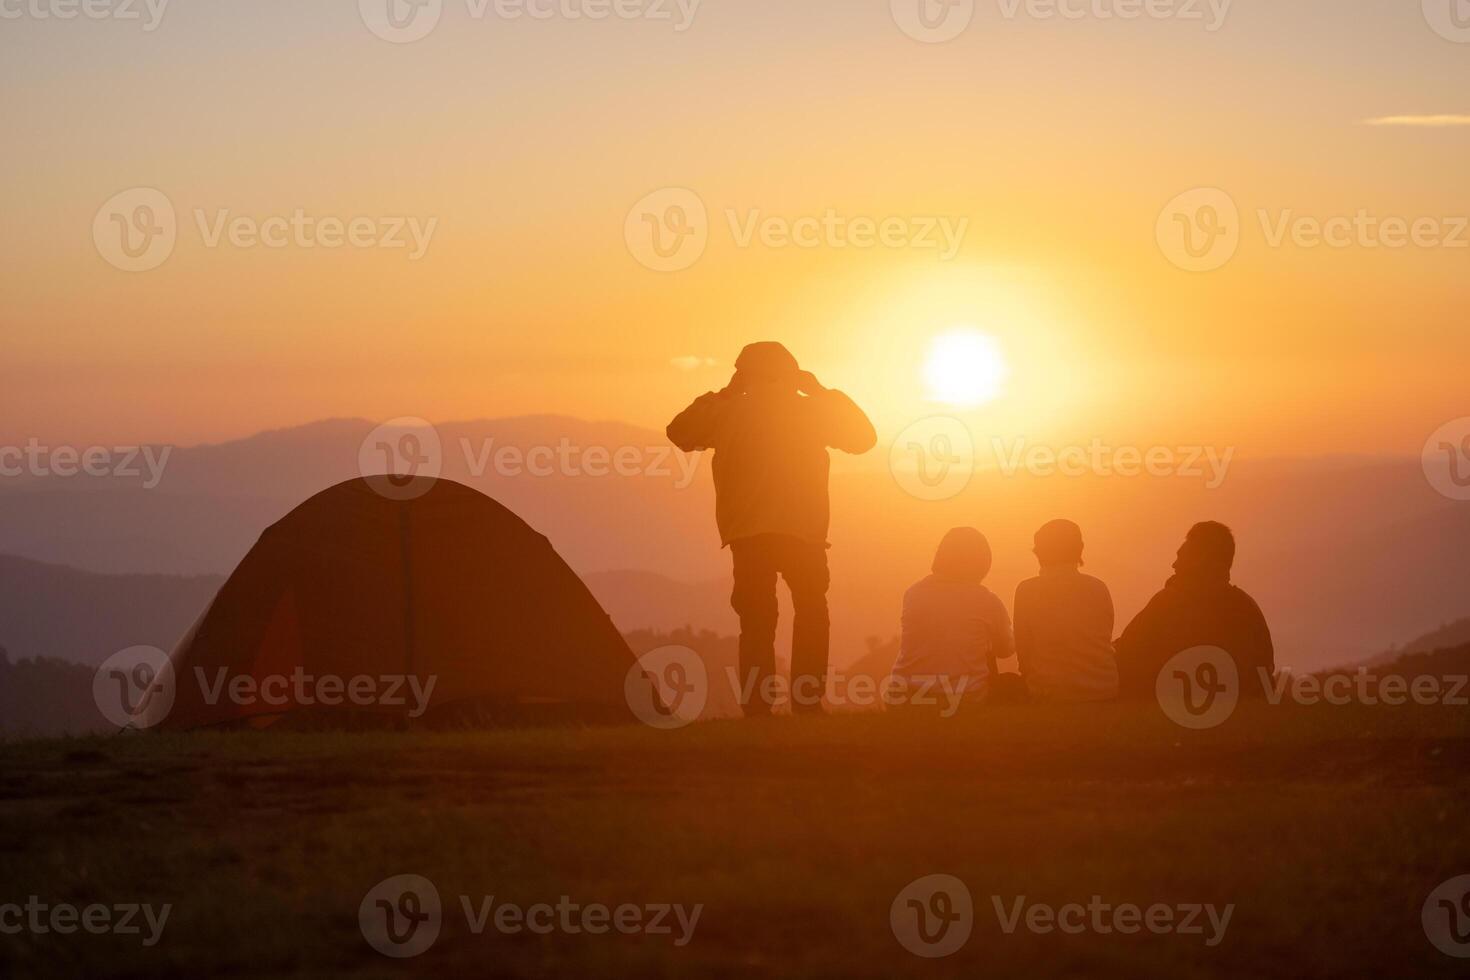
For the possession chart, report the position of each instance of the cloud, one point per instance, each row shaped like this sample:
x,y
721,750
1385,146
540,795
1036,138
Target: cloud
x,y
1436,122
690,362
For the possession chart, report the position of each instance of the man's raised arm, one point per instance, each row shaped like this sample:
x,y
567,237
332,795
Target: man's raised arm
x,y
695,428
845,426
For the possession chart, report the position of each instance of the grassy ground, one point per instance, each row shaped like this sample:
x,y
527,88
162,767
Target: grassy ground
x,y
1325,827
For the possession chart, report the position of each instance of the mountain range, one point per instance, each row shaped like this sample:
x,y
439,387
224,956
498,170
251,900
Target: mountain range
x,y
1347,556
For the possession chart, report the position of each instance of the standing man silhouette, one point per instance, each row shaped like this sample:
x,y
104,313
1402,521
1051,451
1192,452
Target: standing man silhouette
x,y
770,430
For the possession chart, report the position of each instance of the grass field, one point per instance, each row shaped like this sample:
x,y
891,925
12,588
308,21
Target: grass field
x,y
1326,828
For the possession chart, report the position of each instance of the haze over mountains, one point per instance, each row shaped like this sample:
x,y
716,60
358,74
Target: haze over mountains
x,y
1347,557
56,611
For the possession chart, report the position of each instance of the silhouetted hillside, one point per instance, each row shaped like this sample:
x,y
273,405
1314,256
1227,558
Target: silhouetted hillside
x,y
721,655
84,617
1443,662
1345,556
1449,635
648,601
561,475
46,697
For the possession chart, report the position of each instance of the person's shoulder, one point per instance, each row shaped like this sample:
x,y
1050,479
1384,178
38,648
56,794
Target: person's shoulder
x,y
1093,582
985,596
920,588
1244,598
1167,596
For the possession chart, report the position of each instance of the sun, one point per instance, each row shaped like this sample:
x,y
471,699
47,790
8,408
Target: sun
x,y
965,368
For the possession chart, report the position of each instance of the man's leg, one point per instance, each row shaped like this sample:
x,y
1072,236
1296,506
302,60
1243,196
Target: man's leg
x,y
754,601
805,569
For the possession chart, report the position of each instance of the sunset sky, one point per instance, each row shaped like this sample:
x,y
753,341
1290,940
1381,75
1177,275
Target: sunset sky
x,y
528,142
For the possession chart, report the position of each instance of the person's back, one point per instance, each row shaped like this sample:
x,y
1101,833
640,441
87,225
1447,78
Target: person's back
x,y
770,430
1198,606
770,443
954,628
1064,636
771,465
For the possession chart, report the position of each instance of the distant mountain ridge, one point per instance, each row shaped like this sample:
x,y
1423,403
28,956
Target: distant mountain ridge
x,y
638,600
85,617
1346,556
1449,635
214,500
1452,634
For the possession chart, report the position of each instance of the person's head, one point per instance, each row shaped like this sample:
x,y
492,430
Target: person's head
x,y
1208,548
767,366
963,555
1058,543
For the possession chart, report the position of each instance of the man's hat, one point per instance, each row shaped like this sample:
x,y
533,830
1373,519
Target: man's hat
x,y
766,359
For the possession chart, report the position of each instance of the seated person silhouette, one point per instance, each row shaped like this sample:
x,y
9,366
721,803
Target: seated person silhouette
x,y
954,628
1198,607
1064,623
770,430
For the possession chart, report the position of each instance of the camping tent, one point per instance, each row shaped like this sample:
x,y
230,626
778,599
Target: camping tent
x,y
359,599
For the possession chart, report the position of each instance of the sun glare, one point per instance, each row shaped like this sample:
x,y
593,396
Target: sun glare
x,y
965,368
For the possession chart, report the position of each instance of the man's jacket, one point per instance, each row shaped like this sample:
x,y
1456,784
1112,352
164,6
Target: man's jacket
x,y
770,456
1191,611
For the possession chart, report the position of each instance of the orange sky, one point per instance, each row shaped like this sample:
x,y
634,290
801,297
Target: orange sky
x,y
527,142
